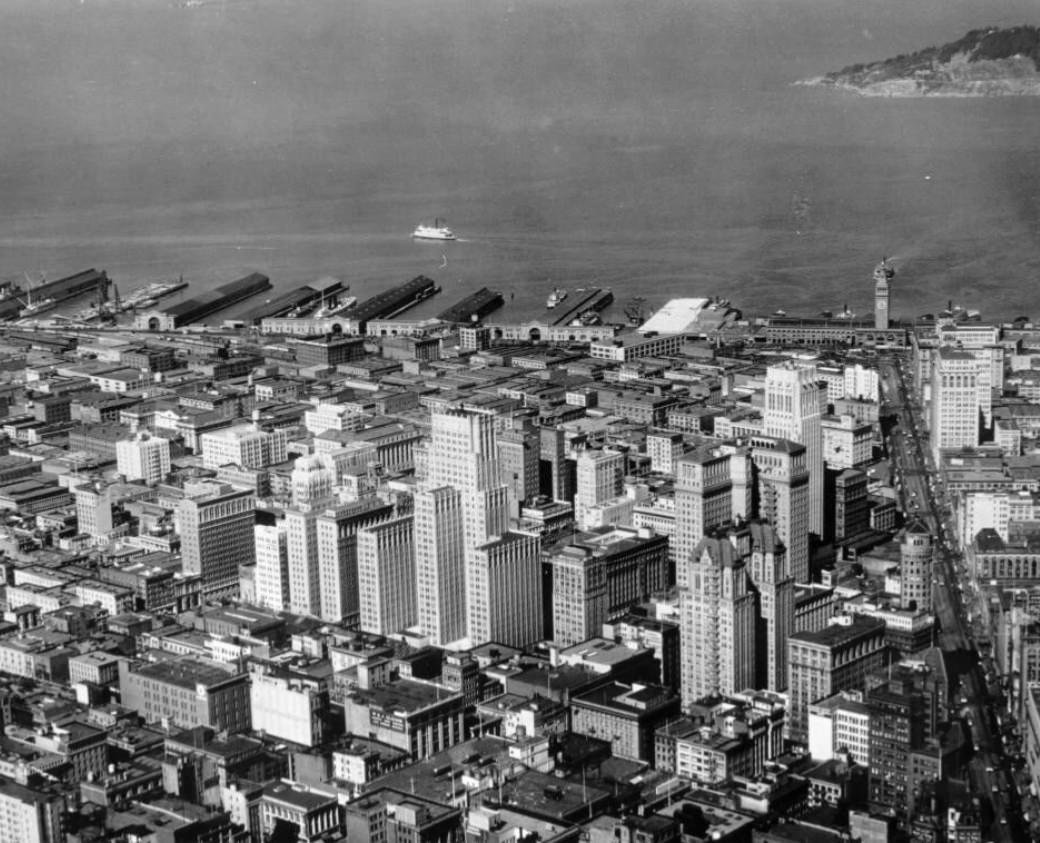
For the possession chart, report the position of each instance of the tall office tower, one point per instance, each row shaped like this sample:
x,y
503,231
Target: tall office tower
x,y
335,534
216,527
462,455
596,576
504,591
794,404
272,565
916,556
771,578
440,564
956,411
983,343
717,622
386,575
144,458
302,550
712,486
782,497
519,448
904,715
601,477
883,275
312,480
556,472
851,504
461,505
838,657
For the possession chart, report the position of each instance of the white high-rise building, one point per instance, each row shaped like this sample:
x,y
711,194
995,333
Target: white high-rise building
x,y
794,405
462,516
272,565
302,550
144,458
440,564
386,575
955,407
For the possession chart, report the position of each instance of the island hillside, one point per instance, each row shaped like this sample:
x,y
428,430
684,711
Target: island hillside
x,y
985,62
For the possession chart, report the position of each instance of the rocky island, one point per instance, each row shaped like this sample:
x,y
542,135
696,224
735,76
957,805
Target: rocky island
x,y
985,62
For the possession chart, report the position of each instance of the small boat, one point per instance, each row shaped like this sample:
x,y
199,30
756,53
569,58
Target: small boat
x,y
556,297
437,231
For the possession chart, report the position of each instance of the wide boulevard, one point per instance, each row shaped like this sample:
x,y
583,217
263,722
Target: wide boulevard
x,y
954,595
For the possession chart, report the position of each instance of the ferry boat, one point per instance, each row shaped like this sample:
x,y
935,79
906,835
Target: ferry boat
x,y
556,297
437,231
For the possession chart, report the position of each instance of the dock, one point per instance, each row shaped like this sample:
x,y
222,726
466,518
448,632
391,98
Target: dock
x,y
392,302
593,298
88,281
214,300
473,308
294,302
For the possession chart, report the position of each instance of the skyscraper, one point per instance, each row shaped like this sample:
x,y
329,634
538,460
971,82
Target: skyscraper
x,y
216,527
956,413
771,578
440,564
504,590
717,621
335,531
794,405
713,485
272,565
782,497
461,506
386,575
518,452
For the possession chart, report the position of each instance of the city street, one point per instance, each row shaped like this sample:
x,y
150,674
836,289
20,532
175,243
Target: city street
x,y
922,496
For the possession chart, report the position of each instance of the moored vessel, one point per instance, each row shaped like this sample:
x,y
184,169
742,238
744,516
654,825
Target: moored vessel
x,y
556,298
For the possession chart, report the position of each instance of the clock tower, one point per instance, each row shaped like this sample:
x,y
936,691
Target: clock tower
x,y
883,274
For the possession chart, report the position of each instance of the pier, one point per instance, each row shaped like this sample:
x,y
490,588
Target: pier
x,y
206,303
88,281
291,303
593,298
473,308
392,302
